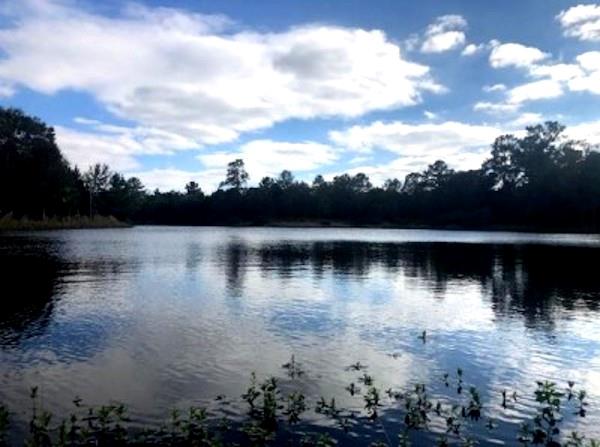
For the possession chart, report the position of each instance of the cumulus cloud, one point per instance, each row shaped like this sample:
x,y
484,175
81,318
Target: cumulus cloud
x,y
556,72
581,21
494,88
190,75
495,107
544,89
402,166
589,80
433,141
472,49
261,158
172,179
526,119
268,158
588,131
515,54
517,96
461,145
85,149
444,34
552,79
115,145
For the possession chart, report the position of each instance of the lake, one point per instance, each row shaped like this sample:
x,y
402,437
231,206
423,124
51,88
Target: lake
x,y
159,317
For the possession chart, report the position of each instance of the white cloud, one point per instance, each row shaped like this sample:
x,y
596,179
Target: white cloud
x,y
171,179
268,158
556,72
526,119
432,141
495,107
400,167
446,33
463,146
116,146
588,131
446,23
472,49
6,90
85,148
439,43
189,75
494,88
261,158
359,159
515,54
589,61
581,21
430,115
533,91
589,80
552,79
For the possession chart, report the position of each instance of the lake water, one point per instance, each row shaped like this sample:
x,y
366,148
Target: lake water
x,y
159,317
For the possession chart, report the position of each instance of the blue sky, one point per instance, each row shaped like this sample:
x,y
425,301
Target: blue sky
x,y
172,91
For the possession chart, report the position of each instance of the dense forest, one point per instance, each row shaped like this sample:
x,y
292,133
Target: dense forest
x,y
539,181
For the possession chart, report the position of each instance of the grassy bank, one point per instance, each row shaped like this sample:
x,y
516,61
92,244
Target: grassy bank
x,y
10,223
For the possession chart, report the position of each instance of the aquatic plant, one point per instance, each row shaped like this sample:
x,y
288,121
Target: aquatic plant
x,y
276,416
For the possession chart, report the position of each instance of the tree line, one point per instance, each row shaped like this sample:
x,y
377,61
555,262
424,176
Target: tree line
x,y
542,180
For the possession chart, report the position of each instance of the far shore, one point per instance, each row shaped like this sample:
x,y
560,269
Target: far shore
x,y
9,223
386,225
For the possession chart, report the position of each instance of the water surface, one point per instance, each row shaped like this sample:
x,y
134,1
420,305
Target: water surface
x,y
161,316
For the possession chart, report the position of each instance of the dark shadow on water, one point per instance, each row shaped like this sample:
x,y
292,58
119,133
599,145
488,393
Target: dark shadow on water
x,y
28,284
33,276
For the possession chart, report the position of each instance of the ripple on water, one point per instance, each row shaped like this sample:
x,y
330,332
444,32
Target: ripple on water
x,y
160,317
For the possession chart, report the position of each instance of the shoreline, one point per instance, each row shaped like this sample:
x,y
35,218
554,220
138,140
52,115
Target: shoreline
x,y
66,223
8,224
384,226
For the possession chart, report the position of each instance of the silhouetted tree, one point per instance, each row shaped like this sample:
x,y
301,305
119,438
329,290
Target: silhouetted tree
x,y
266,183
285,180
541,180
236,177
392,185
192,188
96,180
35,179
436,175
413,183
319,182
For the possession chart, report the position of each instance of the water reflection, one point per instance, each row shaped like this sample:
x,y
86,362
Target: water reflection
x,y
28,286
531,281
159,317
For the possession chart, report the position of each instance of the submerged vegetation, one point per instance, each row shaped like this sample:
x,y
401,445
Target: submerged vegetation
x,y
278,413
541,181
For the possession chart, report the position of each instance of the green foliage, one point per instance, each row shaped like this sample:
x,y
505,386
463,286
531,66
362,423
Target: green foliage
x,y
277,418
294,369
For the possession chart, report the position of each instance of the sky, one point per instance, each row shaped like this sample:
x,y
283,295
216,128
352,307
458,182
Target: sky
x,y
171,91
